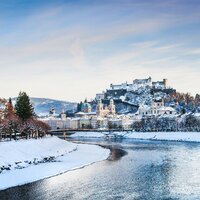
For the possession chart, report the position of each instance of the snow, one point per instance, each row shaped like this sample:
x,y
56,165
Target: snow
x,y
169,136
32,160
88,134
197,114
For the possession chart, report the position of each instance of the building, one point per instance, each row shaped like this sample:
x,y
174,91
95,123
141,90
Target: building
x,y
94,122
127,121
74,123
141,83
104,110
85,123
160,84
53,123
52,112
157,108
135,85
86,108
118,90
114,123
63,115
115,93
123,86
102,122
100,96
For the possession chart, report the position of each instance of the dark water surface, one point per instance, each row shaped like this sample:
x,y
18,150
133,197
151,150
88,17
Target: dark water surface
x,y
135,170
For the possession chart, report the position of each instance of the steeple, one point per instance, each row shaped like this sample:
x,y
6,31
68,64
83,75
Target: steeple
x,y
99,107
112,107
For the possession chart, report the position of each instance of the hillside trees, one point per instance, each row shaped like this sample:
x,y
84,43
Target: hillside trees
x,y
186,100
197,100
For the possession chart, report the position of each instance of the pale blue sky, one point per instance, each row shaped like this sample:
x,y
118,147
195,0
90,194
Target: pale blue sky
x,y
74,49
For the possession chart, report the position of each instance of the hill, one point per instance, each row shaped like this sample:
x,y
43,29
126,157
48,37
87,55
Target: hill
x,y
42,106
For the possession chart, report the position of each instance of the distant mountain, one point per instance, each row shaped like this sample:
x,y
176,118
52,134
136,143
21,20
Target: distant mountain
x,y
42,106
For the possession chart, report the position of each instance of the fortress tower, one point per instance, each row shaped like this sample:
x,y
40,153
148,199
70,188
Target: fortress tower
x,y
165,82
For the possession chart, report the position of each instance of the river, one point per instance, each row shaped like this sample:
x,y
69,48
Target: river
x,y
135,170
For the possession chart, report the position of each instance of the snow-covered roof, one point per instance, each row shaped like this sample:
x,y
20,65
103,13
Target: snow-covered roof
x,y
167,108
114,119
143,106
101,118
141,81
197,114
74,118
80,113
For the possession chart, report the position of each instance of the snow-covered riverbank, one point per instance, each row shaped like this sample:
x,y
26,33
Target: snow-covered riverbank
x,y
26,161
169,136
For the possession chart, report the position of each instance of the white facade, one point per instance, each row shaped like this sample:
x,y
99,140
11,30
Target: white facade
x,y
160,84
127,122
141,83
58,123
157,108
74,123
63,116
102,123
94,123
135,85
104,111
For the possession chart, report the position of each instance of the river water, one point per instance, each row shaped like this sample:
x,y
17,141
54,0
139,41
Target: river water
x,y
135,170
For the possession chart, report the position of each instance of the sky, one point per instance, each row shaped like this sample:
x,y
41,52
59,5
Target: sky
x,y
73,49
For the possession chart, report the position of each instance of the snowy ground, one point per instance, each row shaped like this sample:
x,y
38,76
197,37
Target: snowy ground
x,y
88,134
26,161
170,136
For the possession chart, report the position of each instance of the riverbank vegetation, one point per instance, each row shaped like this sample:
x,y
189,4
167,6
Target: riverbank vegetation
x,y
187,123
20,121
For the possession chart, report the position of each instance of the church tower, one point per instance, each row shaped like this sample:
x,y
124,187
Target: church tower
x,y
112,107
165,83
52,112
99,109
63,115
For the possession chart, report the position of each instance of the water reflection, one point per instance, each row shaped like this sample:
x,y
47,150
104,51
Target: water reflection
x,y
135,170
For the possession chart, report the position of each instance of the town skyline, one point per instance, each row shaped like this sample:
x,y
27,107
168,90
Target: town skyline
x,y
72,50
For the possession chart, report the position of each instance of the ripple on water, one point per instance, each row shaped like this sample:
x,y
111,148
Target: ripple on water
x,y
135,170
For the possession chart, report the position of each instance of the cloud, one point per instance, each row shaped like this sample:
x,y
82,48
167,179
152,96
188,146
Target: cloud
x,y
76,50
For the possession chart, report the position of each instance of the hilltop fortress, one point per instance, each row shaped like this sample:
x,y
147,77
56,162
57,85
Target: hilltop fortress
x,y
141,83
137,86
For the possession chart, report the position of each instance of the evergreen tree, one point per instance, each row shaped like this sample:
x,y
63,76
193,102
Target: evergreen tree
x,y
10,105
79,106
24,108
10,100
